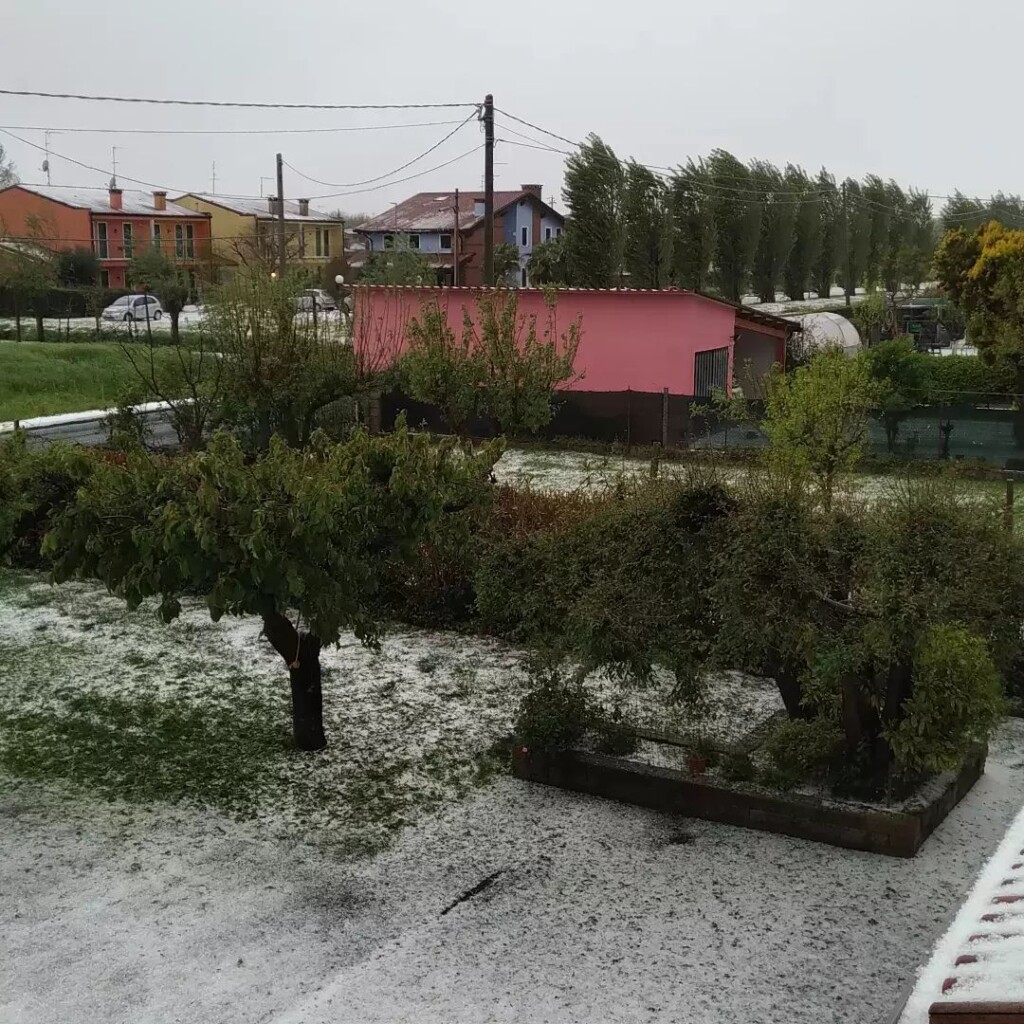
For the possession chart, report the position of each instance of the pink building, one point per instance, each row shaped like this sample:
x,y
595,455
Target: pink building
x,y
634,343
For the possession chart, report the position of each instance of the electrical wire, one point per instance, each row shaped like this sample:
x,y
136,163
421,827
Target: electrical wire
x,y
390,174
225,131
234,104
399,181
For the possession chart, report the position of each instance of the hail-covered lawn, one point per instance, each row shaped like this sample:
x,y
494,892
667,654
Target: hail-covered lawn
x,y
166,856
100,700
565,470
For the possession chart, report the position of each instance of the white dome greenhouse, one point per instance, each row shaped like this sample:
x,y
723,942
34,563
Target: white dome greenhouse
x,y
825,330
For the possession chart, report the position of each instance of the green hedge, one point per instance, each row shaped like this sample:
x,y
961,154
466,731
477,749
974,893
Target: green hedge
x,y
58,302
970,374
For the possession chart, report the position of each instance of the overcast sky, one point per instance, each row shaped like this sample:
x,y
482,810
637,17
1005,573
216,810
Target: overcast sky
x,y
924,91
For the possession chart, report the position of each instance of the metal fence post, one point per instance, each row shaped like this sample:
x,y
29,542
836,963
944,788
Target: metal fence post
x,y
1008,506
664,417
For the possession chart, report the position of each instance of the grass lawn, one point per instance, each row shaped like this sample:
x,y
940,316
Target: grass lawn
x,y
113,703
40,379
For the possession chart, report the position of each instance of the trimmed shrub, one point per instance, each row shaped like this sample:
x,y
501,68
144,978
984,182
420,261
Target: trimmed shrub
x,y
554,716
58,302
963,380
956,701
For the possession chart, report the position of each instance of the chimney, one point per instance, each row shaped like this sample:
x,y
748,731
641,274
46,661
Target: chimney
x,y
115,199
478,208
272,204
534,190
303,207
159,200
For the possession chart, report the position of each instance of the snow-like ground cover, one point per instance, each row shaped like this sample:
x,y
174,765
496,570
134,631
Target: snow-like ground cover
x,y
122,900
981,956
557,470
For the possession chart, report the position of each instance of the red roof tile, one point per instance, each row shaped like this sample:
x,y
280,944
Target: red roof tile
x,y
434,211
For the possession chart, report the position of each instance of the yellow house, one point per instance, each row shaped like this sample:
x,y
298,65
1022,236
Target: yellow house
x,y
244,232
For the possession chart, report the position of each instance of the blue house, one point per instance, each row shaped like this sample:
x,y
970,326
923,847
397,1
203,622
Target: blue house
x,y
448,228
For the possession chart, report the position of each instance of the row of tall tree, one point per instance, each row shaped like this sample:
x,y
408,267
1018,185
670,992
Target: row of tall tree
x,y
718,224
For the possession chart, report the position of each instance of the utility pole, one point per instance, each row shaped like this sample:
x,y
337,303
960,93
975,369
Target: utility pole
x,y
213,179
847,269
489,190
280,217
455,244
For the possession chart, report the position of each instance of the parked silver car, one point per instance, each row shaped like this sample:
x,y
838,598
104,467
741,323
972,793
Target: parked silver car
x,y
133,307
315,298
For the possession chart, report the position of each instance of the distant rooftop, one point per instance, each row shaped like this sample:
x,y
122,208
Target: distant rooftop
x,y
97,200
261,208
435,211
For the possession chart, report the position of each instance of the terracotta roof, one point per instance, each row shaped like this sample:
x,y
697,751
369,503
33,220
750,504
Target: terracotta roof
x,y
434,211
97,200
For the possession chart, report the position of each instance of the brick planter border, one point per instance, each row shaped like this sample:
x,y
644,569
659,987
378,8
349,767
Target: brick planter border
x,y
893,833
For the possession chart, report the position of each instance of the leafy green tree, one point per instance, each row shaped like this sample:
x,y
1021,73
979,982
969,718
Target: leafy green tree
x,y
594,235
875,197
961,211
896,255
647,228
8,175
736,212
817,417
548,263
856,241
27,270
79,267
901,373
693,227
280,373
152,272
830,247
506,263
806,232
524,363
398,266
443,370
296,538
1006,210
778,217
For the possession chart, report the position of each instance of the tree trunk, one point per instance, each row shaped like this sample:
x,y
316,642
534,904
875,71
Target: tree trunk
x,y
17,323
788,682
40,334
174,327
301,653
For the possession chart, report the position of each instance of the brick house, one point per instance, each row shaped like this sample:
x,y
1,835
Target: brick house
x,y
448,228
116,224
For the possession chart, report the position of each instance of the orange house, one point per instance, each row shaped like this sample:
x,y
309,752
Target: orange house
x,y
116,224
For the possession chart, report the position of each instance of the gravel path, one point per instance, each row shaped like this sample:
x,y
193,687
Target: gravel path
x,y
588,911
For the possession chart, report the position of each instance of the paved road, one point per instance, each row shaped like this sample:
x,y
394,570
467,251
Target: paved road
x,y
95,431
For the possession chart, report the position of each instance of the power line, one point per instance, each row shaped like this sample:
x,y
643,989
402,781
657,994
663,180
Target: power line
x,y
390,174
233,104
399,181
536,128
226,131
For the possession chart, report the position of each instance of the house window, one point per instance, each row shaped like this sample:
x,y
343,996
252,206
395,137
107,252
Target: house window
x,y
101,240
710,370
389,241
558,232
179,241
323,242
526,237
446,243
547,234
129,242
156,237
105,278
190,241
414,241
522,276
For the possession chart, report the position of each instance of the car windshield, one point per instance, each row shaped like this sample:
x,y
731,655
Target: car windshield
x,y
123,301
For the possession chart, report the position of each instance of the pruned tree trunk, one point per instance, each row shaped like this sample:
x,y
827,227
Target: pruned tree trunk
x,y
40,334
174,327
301,653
